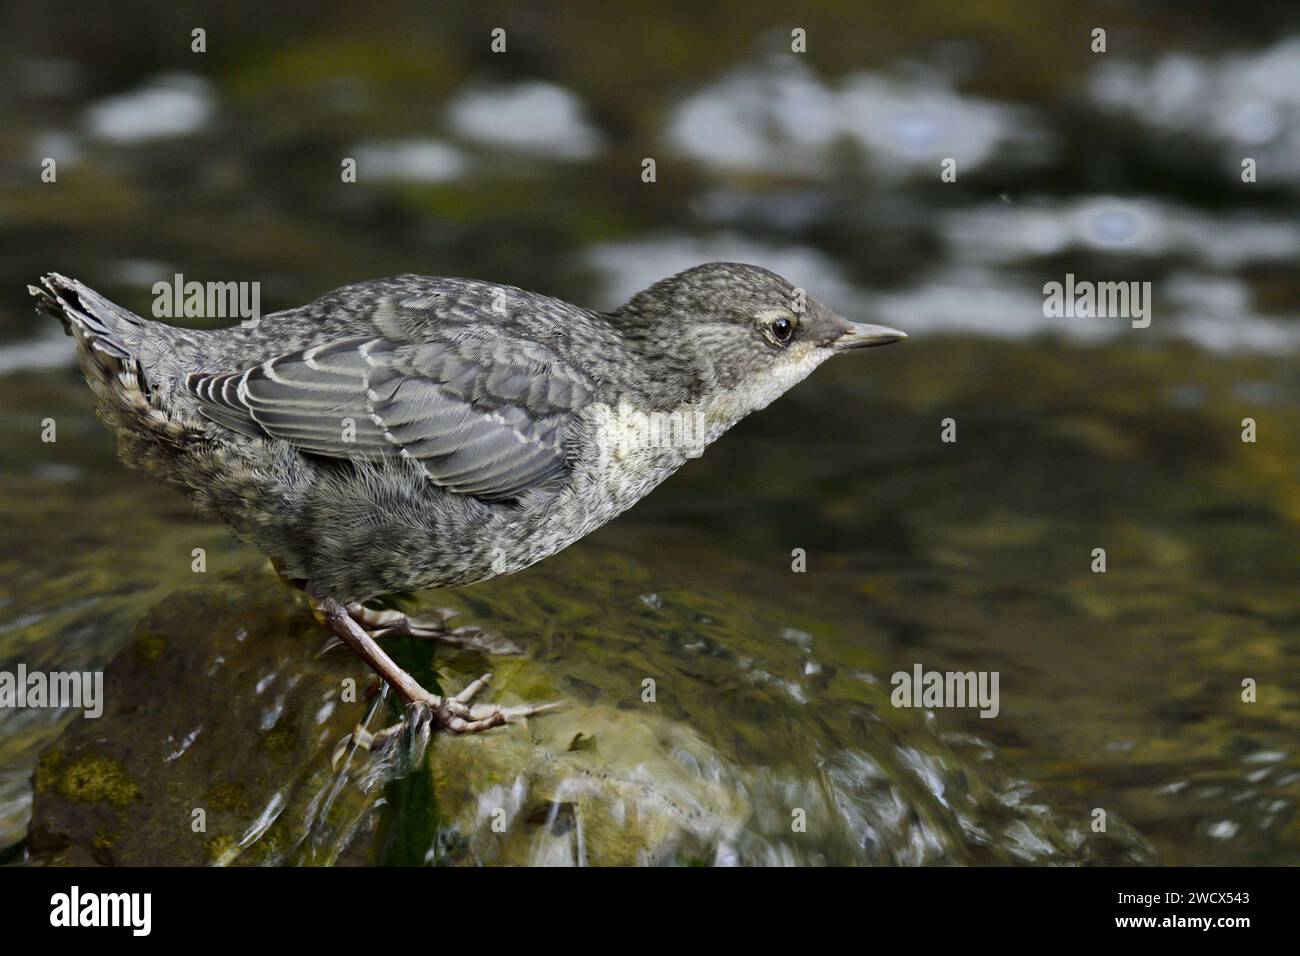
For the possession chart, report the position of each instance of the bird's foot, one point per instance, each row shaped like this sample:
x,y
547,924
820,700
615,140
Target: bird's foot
x,y
424,710
454,714
392,623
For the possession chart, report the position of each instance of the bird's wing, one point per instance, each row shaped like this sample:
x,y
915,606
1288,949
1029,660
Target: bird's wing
x,y
482,415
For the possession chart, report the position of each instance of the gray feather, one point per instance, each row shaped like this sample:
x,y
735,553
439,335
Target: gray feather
x,y
481,418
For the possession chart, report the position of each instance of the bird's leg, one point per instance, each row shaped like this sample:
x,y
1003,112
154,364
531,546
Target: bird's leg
x,y
455,714
392,623
336,617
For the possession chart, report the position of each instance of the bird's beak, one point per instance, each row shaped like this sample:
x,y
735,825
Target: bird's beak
x,y
859,335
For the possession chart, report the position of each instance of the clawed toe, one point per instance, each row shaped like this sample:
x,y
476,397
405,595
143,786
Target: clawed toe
x,y
472,688
458,716
424,711
393,623
454,714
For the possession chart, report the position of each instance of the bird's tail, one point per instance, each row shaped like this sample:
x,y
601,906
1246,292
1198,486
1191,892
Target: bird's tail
x,y
95,322
126,360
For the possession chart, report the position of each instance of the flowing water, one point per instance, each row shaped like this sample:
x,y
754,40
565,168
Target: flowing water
x,y
722,706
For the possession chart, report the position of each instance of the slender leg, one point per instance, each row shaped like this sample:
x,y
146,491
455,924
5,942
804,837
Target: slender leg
x,y
450,713
338,620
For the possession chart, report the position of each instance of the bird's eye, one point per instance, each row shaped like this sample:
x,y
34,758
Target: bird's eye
x,y
782,329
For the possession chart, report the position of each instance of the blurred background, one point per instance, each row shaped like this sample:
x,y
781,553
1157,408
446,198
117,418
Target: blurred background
x,y
1119,690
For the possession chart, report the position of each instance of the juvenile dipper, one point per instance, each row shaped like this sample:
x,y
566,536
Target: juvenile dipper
x,y
416,432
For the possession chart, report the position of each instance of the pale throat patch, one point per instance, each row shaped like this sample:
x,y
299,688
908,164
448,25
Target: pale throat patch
x,y
627,434
728,406
658,442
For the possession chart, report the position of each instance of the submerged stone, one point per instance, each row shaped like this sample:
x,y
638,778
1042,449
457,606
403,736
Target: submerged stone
x,y
695,732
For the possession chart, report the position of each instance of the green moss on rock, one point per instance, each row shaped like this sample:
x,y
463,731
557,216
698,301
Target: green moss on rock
x,y
95,779
221,847
149,646
280,738
226,797
47,769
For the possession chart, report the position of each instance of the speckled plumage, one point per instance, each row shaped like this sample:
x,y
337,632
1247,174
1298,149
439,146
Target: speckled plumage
x,y
416,432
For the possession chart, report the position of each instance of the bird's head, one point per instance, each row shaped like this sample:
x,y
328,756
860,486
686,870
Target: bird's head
x,y
743,334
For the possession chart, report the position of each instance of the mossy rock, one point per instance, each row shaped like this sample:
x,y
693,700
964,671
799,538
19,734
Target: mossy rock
x,y
695,731
219,720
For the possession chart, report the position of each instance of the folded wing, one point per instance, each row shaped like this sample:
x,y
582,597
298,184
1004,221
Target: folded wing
x,y
481,416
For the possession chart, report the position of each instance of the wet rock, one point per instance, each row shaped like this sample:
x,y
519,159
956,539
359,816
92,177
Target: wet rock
x,y
694,733
213,746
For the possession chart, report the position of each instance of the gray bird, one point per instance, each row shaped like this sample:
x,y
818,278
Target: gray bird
x,y
415,432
